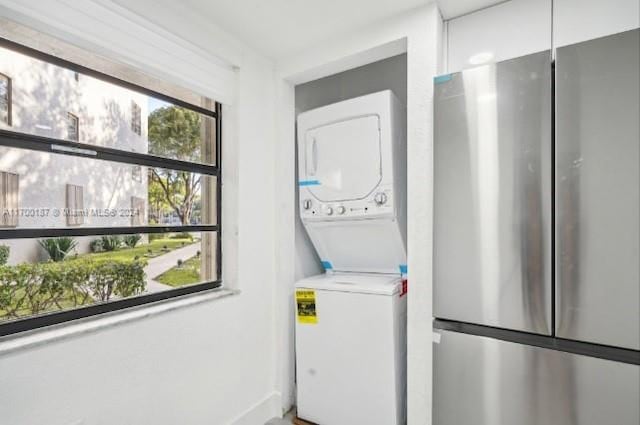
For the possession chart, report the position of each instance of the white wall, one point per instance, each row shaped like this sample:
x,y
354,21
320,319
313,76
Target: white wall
x,y
213,363
579,20
418,33
520,27
508,30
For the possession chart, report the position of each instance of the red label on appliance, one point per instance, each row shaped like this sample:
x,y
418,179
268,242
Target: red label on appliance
x,y
405,288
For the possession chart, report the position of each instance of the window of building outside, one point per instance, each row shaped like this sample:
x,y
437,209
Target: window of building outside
x,y
73,127
136,118
122,213
5,99
75,205
9,186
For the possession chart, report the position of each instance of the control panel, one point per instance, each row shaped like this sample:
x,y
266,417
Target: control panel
x,y
378,203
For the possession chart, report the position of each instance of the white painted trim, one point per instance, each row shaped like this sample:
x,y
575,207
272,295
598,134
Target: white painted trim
x,y
284,194
260,412
374,54
374,42
103,27
38,337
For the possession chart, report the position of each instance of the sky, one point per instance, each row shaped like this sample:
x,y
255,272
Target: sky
x,y
154,104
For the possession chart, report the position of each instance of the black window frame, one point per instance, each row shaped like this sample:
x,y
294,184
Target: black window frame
x,y
19,140
9,97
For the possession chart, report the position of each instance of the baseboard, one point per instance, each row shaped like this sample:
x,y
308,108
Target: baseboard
x,y
261,412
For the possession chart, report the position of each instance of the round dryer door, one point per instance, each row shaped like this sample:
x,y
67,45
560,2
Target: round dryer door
x,y
344,159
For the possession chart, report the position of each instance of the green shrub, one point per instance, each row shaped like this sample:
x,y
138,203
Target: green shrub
x,y
182,235
25,288
132,240
111,242
155,236
28,289
58,248
4,254
96,245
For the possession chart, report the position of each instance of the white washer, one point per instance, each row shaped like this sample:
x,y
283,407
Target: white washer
x,y
351,358
352,157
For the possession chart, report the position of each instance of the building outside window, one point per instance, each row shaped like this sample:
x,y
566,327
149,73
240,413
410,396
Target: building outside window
x,y
5,99
136,118
75,205
138,211
73,127
139,223
9,186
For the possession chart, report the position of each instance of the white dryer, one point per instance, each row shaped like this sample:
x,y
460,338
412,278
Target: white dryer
x,y
352,168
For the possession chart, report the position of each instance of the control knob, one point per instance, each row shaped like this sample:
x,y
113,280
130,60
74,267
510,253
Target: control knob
x,y
380,198
341,210
306,204
328,211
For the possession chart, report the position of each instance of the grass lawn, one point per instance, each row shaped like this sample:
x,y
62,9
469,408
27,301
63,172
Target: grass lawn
x,y
142,250
179,276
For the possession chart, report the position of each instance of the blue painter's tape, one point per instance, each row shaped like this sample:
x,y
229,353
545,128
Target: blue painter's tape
x,y
442,79
403,269
309,183
327,265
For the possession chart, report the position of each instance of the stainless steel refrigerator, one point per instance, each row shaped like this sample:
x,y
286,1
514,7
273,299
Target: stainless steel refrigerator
x,y
537,240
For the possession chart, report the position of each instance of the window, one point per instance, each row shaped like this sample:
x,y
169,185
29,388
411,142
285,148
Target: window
x,y
9,199
73,127
5,99
136,174
75,205
119,218
136,118
138,208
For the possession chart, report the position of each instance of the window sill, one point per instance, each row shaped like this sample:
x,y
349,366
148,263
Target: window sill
x,y
37,337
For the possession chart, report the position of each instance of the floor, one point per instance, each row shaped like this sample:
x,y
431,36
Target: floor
x,y
287,420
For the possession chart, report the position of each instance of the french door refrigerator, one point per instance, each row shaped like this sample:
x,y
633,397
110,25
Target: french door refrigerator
x,y
536,239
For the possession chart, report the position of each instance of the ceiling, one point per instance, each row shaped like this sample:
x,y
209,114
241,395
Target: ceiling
x,y
282,28
454,8
279,28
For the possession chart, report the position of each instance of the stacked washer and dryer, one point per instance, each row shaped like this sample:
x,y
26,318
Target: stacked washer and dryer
x,y
351,320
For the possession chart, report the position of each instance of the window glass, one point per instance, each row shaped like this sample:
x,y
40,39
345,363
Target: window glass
x,y
52,101
73,127
58,190
5,99
136,118
9,192
143,165
75,205
45,275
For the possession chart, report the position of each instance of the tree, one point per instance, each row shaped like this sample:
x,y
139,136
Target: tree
x,y
174,132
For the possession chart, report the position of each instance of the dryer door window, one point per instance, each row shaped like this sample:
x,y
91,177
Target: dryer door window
x,y
343,159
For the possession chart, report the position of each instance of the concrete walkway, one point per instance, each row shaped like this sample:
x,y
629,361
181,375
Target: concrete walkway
x,y
158,265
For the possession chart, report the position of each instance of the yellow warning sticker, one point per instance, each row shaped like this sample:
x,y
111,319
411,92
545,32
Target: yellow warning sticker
x,y
306,306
